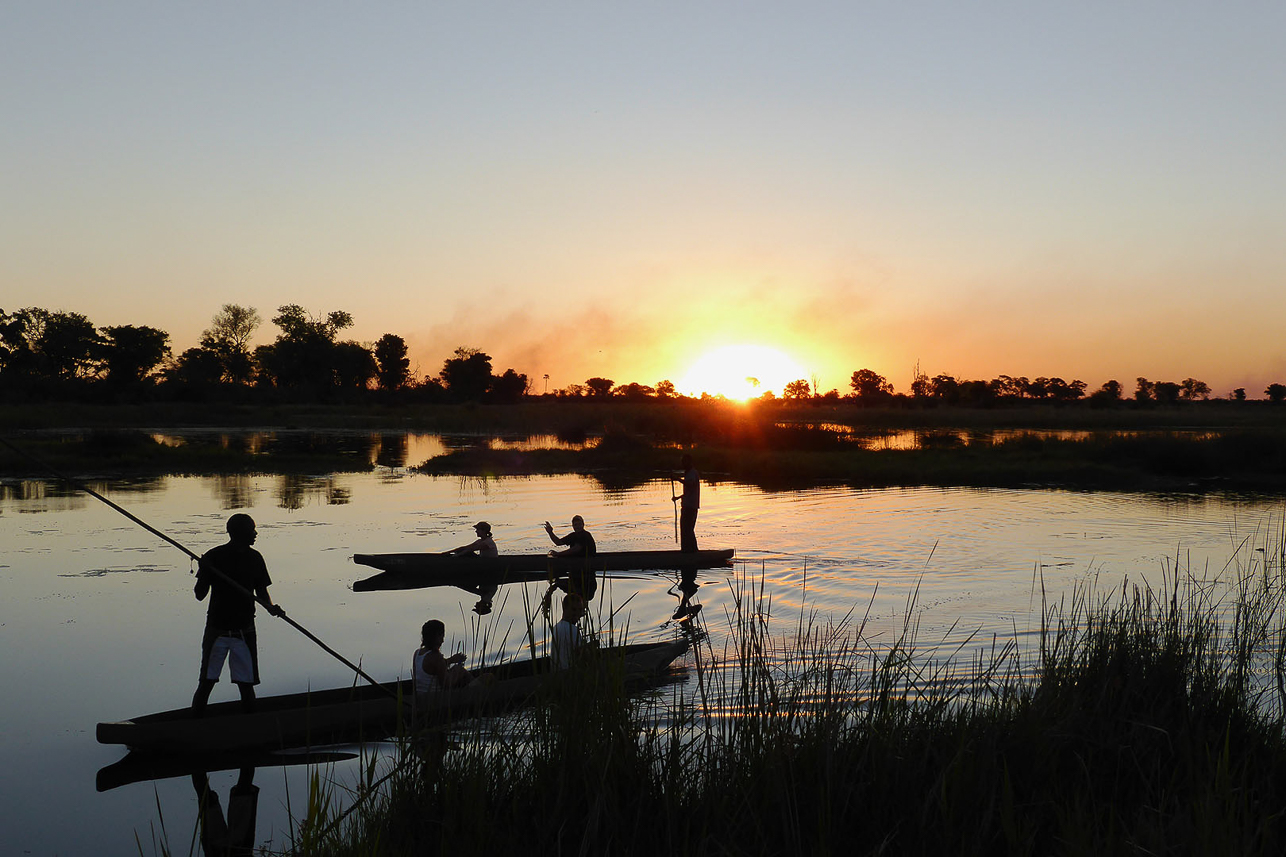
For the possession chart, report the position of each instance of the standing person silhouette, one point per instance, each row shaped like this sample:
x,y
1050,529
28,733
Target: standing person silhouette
x,y
689,504
230,620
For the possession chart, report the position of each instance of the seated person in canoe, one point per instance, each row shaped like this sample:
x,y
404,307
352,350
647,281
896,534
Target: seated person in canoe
x,y
578,542
432,671
483,545
567,636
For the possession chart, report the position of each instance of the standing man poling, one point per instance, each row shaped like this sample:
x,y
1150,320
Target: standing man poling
x,y
228,574
689,503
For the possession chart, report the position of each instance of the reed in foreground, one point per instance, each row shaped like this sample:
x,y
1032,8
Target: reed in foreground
x,y
1150,723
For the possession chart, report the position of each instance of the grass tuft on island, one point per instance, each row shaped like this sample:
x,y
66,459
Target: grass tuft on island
x,y
1151,723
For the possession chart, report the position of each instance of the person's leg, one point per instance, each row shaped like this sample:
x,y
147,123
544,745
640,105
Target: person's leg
x,y
247,696
688,531
202,696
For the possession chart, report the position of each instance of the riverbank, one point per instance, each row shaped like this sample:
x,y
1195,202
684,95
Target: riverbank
x,y
623,444
1148,725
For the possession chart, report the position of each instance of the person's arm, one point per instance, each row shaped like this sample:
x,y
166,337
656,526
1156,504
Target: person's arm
x,y
265,599
202,587
473,547
549,530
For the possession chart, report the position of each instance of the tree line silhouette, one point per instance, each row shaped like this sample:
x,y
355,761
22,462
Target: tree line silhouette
x,y
58,355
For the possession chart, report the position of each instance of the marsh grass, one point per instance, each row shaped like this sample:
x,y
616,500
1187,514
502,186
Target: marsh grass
x,y
1148,722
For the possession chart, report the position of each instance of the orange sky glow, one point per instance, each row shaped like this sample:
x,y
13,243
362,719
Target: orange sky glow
x,y
625,191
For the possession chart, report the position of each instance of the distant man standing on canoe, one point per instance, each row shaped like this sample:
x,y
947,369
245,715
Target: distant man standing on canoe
x,y
577,543
228,573
689,503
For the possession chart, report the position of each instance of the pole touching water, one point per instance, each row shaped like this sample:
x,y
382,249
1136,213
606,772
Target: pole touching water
x,y
80,486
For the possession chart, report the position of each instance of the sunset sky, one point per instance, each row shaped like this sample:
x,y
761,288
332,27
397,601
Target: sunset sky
x,y
1089,190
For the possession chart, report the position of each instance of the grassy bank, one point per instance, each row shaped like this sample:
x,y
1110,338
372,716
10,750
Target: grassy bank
x,y
1150,723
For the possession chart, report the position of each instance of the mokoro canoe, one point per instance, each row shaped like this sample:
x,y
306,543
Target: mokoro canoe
x,y
418,570
359,713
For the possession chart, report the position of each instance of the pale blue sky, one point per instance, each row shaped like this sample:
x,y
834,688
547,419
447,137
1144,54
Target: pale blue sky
x,y
1089,190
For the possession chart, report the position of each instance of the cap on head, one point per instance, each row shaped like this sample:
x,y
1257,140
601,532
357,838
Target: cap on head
x,y
241,524
482,528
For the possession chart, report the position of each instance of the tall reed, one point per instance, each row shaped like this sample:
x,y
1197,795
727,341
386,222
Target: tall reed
x,y
1149,722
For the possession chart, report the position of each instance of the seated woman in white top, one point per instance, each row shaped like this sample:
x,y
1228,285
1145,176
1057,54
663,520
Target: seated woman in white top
x,y
432,671
484,545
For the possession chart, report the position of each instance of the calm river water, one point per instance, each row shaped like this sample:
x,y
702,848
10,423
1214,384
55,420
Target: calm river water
x,y
98,622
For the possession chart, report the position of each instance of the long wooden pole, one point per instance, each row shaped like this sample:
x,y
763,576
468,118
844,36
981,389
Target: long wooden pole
x,y
222,575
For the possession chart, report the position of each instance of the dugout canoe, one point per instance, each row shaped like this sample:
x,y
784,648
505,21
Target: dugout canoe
x,y
419,570
359,713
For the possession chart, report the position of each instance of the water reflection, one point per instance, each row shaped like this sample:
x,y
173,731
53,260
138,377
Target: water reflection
x,y
46,495
232,835
293,492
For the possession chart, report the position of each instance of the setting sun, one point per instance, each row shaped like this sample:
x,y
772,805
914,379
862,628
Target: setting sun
x,y
740,372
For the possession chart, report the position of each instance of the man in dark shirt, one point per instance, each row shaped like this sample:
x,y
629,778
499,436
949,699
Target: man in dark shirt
x,y
577,543
228,573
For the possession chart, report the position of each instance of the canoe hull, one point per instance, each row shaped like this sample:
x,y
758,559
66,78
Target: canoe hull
x,y
352,714
420,570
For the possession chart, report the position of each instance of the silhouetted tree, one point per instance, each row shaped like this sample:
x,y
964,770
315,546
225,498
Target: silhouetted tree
x,y
393,366
944,388
228,337
1108,394
1143,389
1191,389
1239,394
665,389
599,388
634,392
195,368
1276,393
797,390
305,353
354,365
130,353
50,346
870,387
1166,392
1008,387
510,386
467,375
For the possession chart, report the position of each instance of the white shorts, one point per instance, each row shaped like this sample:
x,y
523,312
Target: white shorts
x,y
240,663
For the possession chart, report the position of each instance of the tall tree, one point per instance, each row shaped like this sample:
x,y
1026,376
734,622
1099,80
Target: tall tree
x,y
130,353
1193,390
870,387
599,388
467,375
394,367
228,337
509,386
305,352
797,390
